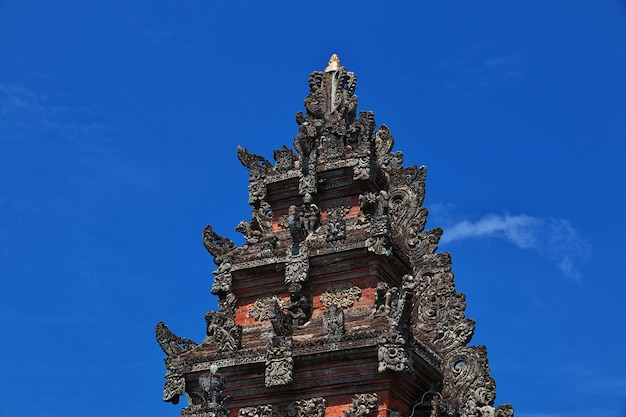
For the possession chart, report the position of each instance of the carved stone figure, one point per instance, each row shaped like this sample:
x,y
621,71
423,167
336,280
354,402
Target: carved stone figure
x,y
222,283
300,307
279,362
311,214
386,298
281,323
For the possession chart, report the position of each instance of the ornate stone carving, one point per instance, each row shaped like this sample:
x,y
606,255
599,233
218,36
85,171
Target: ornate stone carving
x,y
333,324
227,304
335,224
261,307
281,322
171,344
258,168
223,331
217,245
438,318
311,215
260,411
379,240
368,203
222,283
315,407
468,388
341,295
300,306
284,159
392,351
174,387
209,401
386,298
297,265
260,226
362,405
279,362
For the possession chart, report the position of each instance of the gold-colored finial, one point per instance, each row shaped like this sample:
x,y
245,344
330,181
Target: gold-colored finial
x,y
333,64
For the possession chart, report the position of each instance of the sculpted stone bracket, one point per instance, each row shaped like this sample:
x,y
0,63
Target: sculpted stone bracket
x,y
362,405
279,362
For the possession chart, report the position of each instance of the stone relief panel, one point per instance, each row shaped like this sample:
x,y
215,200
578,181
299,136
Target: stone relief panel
x,y
468,388
362,405
334,328
223,331
260,310
335,224
279,362
297,265
341,295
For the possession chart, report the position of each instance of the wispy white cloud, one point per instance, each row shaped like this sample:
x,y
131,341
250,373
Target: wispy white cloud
x,y
482,66
554,239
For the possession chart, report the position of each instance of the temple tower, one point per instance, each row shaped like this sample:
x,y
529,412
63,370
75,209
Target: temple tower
x,y
338,303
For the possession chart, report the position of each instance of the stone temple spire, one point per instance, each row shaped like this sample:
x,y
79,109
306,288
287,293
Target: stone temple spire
x,y
338,303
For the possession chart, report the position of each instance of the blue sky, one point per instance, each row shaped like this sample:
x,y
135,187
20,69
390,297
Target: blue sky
x,y
119,124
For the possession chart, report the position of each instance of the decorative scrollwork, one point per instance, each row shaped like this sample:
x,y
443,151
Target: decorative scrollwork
x,y
279,362
260,310
335,224
333,324
341,295
171,344
362,405
468,386
216,245
223,331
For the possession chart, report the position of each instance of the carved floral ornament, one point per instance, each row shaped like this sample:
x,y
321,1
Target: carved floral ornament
x,y
260,310
341,295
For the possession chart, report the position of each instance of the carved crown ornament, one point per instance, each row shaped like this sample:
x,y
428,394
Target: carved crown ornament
x,y
341,195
